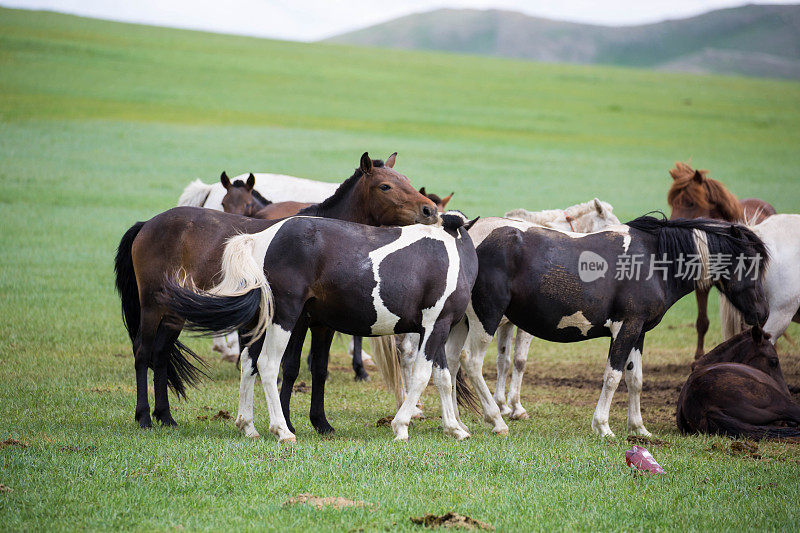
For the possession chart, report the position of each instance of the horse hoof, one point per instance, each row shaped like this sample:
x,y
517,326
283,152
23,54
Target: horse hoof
x,y
327,429
505,410
253,434
398,438
502,432
169,423
520,416
145,422
362,377
290,438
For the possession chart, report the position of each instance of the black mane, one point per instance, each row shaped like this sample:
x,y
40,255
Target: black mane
x,y
342,191
676,237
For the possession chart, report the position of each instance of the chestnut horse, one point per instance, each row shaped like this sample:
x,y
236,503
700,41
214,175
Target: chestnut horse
x,y
189,242
738,390
694,195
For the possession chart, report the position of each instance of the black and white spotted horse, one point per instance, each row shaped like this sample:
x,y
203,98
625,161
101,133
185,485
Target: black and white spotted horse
x,y
394,280
531,276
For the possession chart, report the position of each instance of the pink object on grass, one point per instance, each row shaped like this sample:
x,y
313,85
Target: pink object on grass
x,y
639,458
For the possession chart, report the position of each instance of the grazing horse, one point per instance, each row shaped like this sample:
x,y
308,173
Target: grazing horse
x,y
694,195
557,286
396,280
738,390
781,235
190,241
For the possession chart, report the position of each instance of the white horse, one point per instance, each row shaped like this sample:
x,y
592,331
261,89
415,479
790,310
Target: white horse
x,y
781,281
394,355
276,188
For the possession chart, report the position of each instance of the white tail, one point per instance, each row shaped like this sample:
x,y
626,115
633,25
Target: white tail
x,y
730,318
242,273
384,353
195,194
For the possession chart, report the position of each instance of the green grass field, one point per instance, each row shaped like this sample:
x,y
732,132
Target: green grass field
x,y
103,124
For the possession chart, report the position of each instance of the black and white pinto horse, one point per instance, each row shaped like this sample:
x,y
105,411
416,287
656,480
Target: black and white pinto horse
x,y
531,276
395,280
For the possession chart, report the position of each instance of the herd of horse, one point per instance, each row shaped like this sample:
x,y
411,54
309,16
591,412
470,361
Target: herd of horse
x,y
260,260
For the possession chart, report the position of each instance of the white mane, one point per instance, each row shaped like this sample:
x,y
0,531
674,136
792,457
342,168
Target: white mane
x,y
583,218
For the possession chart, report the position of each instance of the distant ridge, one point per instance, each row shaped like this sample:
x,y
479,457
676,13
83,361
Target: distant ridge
x,y
752,40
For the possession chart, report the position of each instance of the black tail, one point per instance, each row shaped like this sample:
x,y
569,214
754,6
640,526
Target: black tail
x,y
208,313
126,281
181,371
465,395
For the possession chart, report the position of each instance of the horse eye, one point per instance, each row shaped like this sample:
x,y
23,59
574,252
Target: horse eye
x,y
384,186
773,363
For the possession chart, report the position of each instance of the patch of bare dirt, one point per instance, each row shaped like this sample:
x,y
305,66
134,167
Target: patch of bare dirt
x,y
222,415
301,387
453,520
124,355
319,502
647,441
13,442
3,488
386,421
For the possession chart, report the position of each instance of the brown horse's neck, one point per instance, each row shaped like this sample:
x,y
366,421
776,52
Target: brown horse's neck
x,y
345,204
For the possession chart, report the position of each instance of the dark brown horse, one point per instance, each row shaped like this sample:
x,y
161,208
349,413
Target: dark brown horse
x,y
189,241
694,195
738,390
441,203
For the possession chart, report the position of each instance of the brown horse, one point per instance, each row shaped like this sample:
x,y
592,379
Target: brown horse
x,y
441,203
737,389
694,195
189,241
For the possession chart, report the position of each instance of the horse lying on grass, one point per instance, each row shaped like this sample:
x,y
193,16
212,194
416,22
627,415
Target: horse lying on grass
x,y
738,390
533,276
190,241
395,280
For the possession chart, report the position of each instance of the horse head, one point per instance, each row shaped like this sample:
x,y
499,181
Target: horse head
x,y
240,198
441,203
387,197
752,348
694,195
590,217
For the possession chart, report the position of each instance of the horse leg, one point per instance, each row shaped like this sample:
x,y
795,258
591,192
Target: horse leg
x,y
477,343
504,335
321,339
633,379
521,345
702,320
407,353
291,366
227,346
434,348
143,359
269,361
618,353
452,350
358,365
165,339
247,384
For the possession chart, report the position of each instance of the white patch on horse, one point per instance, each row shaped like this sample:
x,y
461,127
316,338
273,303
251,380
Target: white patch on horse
x,y
386,321
575,320
613,327
611,379
701,243
633,379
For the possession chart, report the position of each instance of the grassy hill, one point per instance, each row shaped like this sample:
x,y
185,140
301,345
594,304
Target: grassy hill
x,y
103,124
756,40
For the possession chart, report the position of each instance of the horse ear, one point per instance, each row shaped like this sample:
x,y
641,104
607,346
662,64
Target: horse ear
x,y
470,223
366,163
390,160
251,182
698,177
422,191
599,207
446,199
225,180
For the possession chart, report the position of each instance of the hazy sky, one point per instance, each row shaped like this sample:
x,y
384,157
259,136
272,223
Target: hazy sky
x,y
307,20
